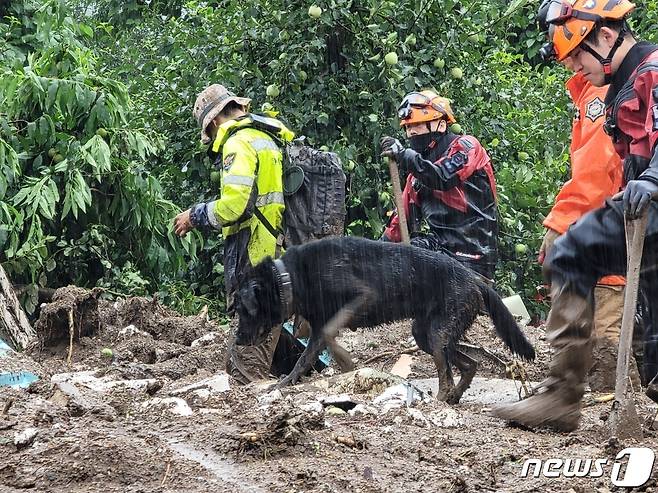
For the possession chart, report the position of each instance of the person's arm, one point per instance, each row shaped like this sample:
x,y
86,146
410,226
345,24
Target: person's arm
x,y
639,192
444,174
235,202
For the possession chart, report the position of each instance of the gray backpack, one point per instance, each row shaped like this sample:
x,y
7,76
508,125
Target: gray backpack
x,y
314,192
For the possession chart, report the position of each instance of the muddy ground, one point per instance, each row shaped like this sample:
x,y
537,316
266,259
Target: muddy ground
x,y
156,415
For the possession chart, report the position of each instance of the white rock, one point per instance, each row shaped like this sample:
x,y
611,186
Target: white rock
x,y
362,409
418,417
447,418
313,407
269,398
205,339
104,384
175,405
334,399
215,384
26,437
131,331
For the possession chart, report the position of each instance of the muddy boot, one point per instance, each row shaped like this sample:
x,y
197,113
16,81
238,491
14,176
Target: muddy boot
x,y
558,401
250,363
608,310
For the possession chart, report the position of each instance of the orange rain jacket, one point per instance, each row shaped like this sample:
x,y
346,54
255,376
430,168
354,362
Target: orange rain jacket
x,y
596,169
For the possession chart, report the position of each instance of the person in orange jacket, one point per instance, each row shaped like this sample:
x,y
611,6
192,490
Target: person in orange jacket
x,y
596,175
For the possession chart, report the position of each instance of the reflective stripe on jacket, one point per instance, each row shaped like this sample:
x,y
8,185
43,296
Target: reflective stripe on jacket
x,y
252,176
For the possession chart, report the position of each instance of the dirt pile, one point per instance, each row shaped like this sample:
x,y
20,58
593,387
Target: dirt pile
x,y
145,406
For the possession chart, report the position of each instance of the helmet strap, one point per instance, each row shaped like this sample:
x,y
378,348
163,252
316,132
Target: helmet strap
x,y
607,61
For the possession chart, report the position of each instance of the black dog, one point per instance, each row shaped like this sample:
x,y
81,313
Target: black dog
x,y
353,282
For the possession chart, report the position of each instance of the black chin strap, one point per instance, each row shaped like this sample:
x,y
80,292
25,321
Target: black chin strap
x,y
607,61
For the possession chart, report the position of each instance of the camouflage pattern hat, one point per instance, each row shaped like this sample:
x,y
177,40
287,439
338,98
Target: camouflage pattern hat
x,y
210,103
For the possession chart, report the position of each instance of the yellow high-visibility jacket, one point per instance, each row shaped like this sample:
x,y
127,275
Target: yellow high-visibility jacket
x,y
252,176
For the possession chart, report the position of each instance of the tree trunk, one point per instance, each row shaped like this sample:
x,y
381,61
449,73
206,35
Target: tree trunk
x,y
14,325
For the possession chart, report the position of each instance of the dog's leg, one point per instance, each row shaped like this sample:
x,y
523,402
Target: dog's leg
x,y
446,383
327,336
467,367
341,355
313,349
438,343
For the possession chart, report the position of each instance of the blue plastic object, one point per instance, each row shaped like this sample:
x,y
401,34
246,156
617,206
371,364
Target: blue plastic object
x,y
17,379
325,356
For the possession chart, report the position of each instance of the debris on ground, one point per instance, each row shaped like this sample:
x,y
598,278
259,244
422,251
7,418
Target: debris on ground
x,y
161,414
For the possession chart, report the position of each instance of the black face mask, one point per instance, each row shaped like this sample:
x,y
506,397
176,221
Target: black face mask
x,y
422,143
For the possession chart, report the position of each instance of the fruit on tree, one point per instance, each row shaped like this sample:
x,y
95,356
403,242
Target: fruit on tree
x,y
272,90
456,73
391,58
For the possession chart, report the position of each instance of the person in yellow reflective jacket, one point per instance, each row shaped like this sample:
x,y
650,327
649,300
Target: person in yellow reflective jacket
x,y
251,178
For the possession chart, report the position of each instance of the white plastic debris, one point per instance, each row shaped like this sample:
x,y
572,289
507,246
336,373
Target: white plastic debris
x,y
25,438
174,405
398,396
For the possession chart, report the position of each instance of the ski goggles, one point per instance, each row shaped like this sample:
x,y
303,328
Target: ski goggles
x,y
560,12
414,100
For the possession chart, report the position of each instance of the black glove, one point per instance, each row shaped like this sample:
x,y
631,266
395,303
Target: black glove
x,y
391,147
637,196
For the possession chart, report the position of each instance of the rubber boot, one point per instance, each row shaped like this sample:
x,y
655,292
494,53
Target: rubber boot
x,y
558,400
250,363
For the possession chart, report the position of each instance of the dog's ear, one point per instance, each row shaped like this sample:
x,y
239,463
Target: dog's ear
x,y
250,297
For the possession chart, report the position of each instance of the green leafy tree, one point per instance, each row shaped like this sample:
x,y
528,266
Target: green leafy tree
x,y
77,200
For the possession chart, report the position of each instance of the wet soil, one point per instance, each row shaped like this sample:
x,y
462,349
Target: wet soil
x,y
161,429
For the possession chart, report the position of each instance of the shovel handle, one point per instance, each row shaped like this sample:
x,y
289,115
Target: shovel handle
x,y
635,232
397,195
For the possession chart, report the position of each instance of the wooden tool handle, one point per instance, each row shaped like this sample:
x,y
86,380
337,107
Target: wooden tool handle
x,y
397,194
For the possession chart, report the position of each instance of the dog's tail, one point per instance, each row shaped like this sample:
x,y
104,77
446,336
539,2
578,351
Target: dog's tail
x,y
506,327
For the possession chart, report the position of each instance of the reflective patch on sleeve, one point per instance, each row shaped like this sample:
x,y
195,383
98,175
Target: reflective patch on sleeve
x,y
212,217
262,144
228,160
595,109
247,181
466,144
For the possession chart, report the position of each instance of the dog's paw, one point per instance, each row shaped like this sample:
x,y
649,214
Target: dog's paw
x,y
449,397
453,398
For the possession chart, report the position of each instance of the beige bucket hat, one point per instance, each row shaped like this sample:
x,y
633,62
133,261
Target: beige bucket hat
x,y
210,102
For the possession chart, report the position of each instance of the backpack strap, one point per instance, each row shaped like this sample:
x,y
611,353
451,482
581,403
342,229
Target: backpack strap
x,y
278,235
